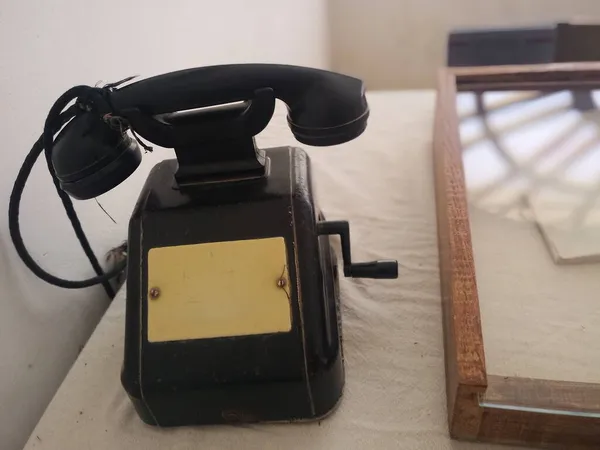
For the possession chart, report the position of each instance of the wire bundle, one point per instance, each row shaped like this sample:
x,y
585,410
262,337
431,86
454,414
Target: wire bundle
x,y
57,118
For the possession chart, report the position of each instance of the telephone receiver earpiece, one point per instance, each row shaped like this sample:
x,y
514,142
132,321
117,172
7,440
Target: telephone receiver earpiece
x,y
91,156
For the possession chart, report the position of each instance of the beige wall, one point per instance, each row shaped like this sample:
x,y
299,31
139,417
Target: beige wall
x,y
401,43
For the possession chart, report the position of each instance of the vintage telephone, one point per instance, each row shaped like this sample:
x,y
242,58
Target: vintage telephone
x,y
232,292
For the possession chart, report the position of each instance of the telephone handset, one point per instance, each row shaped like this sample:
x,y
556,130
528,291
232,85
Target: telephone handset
x,y
324,108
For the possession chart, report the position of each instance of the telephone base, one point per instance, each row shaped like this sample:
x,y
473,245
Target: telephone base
x,y
232,300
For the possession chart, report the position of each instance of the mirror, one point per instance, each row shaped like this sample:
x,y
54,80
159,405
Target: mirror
x,y
532,168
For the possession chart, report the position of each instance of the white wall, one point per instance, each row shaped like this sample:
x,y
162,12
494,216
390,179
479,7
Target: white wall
x,y
400,44
47,47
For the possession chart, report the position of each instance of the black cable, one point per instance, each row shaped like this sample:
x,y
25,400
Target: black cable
x,y
77,228
55,120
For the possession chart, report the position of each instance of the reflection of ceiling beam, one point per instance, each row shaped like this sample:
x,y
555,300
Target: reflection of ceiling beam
x,y
517,124
581,101
538,181
511,99
491,135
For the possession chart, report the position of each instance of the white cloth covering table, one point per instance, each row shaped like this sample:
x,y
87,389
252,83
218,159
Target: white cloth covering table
x,y
395,395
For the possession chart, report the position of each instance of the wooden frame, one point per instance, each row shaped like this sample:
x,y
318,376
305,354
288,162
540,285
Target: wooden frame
x,y
481,406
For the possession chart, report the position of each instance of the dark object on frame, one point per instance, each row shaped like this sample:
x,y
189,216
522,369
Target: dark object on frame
x,y
563,42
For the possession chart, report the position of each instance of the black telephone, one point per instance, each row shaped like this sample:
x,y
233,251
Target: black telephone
x,y
232,290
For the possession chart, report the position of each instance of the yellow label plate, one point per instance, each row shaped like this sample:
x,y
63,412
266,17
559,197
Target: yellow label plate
x,y
218,289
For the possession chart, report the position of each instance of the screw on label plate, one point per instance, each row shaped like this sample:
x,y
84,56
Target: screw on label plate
x,y
154,293
281,281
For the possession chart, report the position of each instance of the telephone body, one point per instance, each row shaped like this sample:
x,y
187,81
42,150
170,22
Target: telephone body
x,y
233,302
